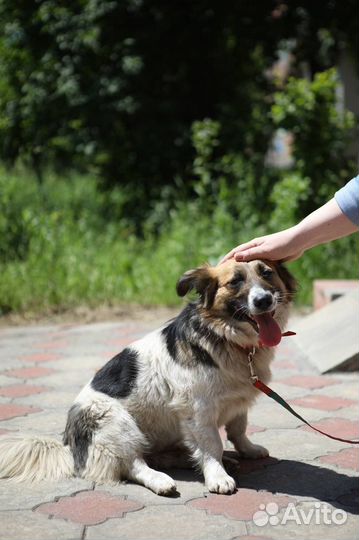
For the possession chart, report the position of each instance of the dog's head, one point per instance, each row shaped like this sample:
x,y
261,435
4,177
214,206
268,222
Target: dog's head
x,y
252,297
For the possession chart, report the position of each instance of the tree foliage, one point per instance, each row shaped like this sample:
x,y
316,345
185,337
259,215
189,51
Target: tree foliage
x,y
115,86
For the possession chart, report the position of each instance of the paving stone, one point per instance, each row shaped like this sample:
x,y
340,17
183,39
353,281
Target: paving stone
x,y
71,378
54,399
5,381
77,362
121,343
346,388
11,410
301,480
339,427
283,364
26,525
21,390
89,507
283,529
348,458
304,466
11,362
55,344
241,505
29,495
29,372
6,432
175,522
40,357
247,466
43,423
324,403
272,416
108,354
251,537
189,484
350,501
285,390
309,381
290,443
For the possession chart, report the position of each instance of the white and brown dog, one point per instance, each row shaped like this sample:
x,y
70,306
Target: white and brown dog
x,y
172,389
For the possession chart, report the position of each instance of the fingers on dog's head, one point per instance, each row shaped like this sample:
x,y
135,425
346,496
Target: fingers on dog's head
x,y
202,280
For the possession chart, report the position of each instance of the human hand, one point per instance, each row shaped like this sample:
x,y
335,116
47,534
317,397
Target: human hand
x,y
282,246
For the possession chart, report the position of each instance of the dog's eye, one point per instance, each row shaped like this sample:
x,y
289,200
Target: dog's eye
x,y
236,281
267,273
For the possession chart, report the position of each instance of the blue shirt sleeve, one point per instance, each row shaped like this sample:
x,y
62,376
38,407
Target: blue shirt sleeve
x,y
348,200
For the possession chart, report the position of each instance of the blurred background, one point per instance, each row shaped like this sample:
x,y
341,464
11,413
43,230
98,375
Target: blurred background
x,y
140,138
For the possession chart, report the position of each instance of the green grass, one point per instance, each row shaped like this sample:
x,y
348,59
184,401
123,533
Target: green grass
x,y
65,243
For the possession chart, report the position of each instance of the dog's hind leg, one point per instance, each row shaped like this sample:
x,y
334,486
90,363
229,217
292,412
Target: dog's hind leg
x,y
236,432
159,482
177,457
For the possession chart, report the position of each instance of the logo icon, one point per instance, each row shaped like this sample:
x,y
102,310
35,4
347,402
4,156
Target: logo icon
x,y
266,514
317,514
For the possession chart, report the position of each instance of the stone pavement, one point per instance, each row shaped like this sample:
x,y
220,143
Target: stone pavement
x,y
306,489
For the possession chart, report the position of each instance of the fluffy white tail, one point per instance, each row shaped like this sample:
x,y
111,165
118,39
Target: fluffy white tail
x,y
35,459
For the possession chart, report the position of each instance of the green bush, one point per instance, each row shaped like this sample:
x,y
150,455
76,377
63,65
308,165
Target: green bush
x,y
63,244
322,135
65,241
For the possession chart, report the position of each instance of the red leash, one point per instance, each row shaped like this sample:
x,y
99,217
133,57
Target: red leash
x,y
273,395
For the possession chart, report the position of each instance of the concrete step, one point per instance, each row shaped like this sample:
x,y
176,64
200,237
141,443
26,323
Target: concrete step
x,y
327,290
330,337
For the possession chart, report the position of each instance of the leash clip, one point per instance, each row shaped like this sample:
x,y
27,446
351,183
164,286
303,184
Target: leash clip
x,y
253,376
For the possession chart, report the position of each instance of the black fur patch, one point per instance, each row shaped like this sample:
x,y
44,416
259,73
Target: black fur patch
x,y
170,334
237,309
182,336
118,376
78,433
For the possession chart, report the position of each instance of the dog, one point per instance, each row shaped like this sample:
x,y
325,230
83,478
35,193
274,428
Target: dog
x,y
171,390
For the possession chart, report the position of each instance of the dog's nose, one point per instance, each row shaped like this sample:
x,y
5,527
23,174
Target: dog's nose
x,y
263,301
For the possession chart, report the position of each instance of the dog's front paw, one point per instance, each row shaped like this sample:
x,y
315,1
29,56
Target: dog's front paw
x,y
253,451
162,484
221,483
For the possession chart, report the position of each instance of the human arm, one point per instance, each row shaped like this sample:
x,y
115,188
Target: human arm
x,y
323,225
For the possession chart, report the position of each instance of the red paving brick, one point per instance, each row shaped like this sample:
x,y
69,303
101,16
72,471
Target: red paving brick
x,y
309,381
247,466
252,537
89,507
324,403
283,364
250,429
254,429
241,505
338,427
29,373
21,390
7,431
10,410
346,459
120,343
40,357
52,345
110,354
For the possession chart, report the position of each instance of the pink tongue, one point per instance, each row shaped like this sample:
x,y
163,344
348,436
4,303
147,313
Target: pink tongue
x,y
269,332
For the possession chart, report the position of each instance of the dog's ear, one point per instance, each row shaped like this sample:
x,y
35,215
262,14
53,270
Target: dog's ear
x,y
202,281
288,279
